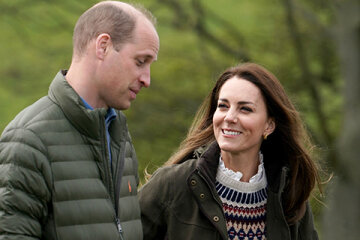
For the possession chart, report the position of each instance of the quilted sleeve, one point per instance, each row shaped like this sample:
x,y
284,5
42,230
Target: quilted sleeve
x,y
25,183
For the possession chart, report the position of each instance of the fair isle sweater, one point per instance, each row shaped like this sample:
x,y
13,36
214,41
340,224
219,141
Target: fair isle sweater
x,y
244,203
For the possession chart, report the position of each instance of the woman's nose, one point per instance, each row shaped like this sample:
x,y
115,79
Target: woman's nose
x,y
231,116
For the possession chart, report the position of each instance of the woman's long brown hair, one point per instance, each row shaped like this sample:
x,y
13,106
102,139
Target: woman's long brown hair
x,y
288,145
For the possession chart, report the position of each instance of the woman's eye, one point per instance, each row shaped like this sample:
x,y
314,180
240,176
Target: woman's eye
x,y
221,105
246,109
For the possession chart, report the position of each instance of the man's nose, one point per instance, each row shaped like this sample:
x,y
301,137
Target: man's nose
x,y
145,77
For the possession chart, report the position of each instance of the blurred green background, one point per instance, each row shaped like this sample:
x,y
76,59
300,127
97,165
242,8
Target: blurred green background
x,y
198,39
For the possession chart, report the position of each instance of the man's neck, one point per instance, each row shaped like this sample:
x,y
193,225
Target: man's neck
x,y
81,77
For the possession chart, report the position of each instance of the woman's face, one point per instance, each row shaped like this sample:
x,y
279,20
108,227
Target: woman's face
x,y
240,120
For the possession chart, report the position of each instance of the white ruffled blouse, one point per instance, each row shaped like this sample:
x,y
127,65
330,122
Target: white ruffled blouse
x,y
258,177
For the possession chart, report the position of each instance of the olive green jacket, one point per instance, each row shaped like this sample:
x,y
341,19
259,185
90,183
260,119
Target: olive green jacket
x,y
181,202
55,174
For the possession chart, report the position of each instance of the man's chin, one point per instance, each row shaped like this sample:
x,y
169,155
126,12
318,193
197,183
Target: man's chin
x,y
122,106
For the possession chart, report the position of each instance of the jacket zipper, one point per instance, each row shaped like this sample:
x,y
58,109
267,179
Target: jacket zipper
x,y
119,170
106,160
119,227
109,176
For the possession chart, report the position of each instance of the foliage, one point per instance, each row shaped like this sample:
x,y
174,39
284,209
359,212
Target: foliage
x,y
199,39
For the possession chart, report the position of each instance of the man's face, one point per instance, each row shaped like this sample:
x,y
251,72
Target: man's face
x,y
123,73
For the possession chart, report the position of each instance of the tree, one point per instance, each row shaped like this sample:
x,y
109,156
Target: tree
x,y
199,39
342,217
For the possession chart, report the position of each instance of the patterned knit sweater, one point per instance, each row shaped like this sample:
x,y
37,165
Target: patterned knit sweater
x,y
244,205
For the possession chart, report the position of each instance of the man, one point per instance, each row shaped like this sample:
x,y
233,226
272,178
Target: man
x,y
68,169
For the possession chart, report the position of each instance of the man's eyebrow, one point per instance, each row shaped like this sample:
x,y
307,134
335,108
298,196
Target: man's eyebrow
x,y
149,57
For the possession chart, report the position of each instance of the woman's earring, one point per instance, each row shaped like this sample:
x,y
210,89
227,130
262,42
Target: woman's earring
x,y
265,136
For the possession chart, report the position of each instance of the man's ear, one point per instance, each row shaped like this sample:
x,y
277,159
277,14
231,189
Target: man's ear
x,y
102,45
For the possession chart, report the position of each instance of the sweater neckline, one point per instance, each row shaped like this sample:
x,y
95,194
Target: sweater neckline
x,y
237,175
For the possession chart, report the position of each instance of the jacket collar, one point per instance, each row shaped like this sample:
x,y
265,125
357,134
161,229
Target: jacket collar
x,y
208,161
86,121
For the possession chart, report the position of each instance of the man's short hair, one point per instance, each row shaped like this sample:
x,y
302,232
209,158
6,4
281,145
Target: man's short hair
x,y
106,18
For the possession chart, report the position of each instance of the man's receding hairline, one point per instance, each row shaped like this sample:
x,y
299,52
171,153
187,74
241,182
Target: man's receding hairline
x,y
136,13
128,8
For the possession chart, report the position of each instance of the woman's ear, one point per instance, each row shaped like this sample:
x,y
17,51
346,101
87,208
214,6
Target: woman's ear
x,y
270,128
102,45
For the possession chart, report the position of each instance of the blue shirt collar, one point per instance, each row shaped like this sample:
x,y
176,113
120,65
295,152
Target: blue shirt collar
x,y
86,104
110,115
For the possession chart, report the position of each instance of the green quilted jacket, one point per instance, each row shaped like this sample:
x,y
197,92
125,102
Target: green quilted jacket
x,y
55,173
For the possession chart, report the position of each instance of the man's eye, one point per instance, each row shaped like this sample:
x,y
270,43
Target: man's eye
x,y
139,62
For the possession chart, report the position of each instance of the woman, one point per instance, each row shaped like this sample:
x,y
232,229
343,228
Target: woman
x,y
243,171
